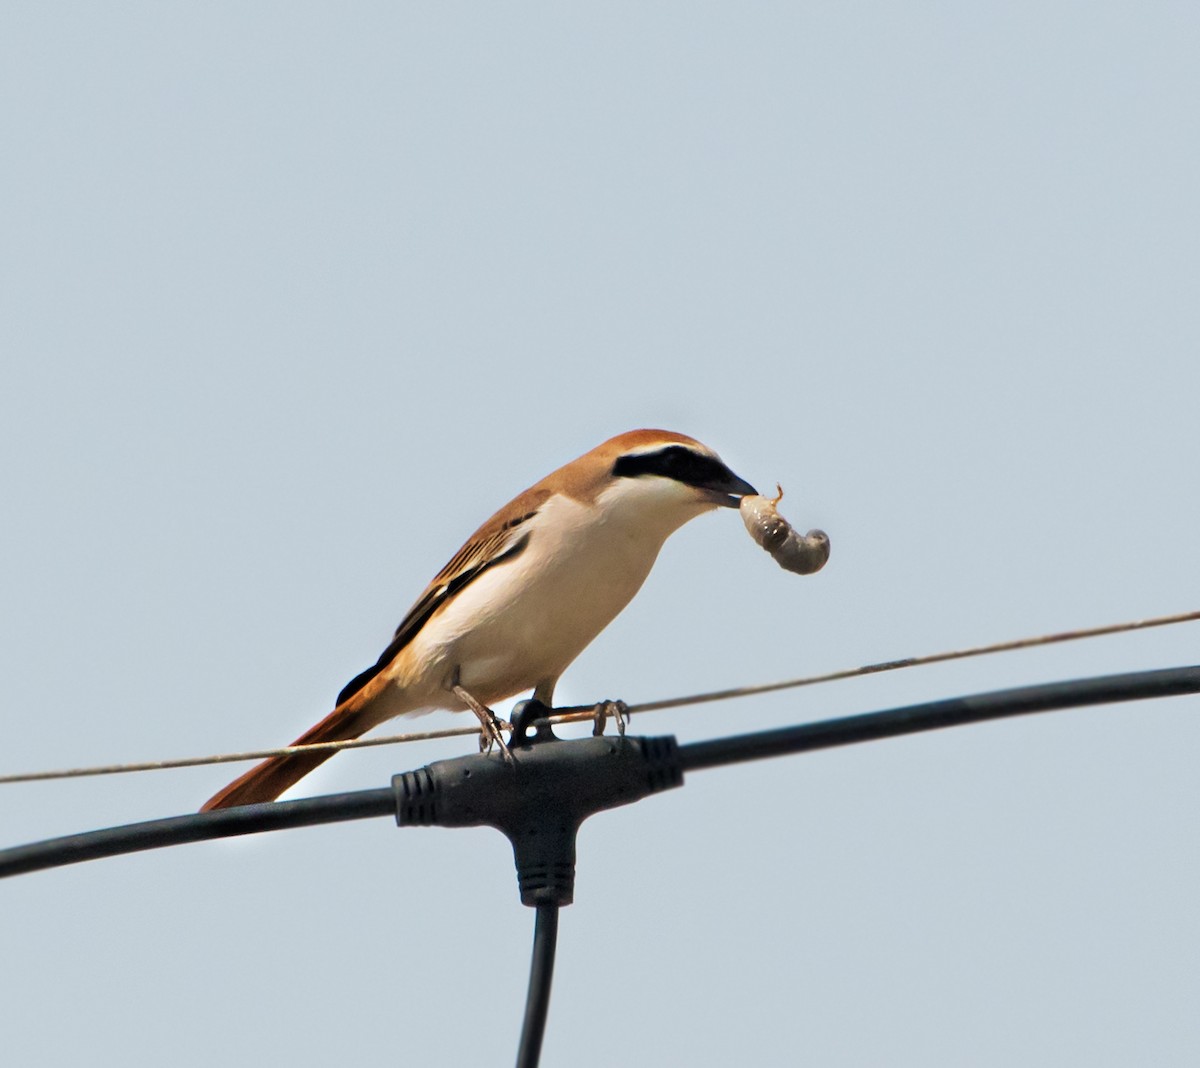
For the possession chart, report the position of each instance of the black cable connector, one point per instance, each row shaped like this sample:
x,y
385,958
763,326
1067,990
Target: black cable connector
x,y
540,799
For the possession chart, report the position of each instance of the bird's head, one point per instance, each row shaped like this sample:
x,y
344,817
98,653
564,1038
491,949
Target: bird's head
x,y
658,472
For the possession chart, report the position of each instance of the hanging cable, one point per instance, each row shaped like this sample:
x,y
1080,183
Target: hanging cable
x,y
934,715
179,830
541,974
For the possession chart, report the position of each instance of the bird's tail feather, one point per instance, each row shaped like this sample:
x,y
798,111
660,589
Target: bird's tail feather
x,y
266,781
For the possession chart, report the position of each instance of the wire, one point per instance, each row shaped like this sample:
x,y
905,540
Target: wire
x,y
196,827
933,715
453,794
489,805
920,661
233,758
590,714
541,974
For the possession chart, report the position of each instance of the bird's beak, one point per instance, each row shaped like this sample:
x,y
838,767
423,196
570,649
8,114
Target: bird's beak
x,y
728,491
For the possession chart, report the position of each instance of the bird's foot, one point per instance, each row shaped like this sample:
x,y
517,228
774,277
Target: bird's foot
x,y
490,725
619,711
491,737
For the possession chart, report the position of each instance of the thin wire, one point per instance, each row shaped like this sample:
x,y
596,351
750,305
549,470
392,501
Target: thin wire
x,y
233,758
646,706
917,661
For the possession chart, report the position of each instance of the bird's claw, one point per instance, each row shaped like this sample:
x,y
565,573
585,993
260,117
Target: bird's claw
x,y
489,725
619,711
490,736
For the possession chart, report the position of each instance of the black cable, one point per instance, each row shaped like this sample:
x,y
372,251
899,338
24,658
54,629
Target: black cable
x,y
934,715
541,973
579,777
540,800
196,827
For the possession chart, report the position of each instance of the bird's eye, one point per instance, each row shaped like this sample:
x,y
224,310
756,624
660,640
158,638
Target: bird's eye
x,y
674,462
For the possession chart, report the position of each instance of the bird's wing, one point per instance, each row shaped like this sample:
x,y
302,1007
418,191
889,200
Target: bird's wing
x,y
501,538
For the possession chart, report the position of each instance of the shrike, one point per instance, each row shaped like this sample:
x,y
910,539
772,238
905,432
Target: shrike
x,y
525,595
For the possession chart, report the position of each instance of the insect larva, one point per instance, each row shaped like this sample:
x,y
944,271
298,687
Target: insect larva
x,y
802,554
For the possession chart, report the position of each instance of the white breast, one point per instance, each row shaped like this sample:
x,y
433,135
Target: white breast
x,y
522,622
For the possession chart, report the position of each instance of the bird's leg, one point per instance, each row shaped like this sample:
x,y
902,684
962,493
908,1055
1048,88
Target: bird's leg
x,y
490,735
619,711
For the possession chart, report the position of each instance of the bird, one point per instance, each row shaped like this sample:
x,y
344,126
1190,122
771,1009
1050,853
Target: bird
x,y
524,596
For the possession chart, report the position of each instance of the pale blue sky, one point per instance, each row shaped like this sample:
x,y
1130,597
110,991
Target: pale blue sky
x,y
292,296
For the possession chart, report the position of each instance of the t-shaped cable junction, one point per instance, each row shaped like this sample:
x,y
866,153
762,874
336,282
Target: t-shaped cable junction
x,y
540,799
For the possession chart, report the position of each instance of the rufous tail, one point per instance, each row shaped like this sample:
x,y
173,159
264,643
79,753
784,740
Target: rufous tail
x,y
266,781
